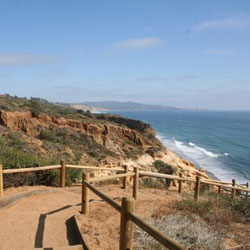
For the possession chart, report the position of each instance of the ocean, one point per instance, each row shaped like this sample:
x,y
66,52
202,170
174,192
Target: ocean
x,y
216,141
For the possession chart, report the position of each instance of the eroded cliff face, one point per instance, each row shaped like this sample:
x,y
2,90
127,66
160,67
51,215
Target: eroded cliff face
x,y
126,141
106,134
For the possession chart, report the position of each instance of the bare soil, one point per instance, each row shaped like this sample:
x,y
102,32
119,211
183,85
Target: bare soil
x,y
42,220
45,220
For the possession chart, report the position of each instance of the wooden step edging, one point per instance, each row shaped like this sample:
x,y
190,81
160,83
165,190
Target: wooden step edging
x,y
80,235
11,200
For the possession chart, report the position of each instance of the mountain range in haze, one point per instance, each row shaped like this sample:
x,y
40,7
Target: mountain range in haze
x,y
119,106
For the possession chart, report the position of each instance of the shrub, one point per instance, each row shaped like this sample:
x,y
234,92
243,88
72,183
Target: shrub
x,y
189,204
153,183
242,205
48,135
163,167
35,107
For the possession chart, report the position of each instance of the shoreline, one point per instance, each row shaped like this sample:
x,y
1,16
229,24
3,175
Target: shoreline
x,y
186,157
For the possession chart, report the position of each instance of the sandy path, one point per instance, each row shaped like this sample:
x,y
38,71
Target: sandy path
x,y
45,220
41,220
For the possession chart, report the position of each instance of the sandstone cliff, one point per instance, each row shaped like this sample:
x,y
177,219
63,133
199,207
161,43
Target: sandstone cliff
x,y
104,139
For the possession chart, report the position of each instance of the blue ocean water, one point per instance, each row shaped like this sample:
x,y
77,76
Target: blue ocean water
x,y
216,141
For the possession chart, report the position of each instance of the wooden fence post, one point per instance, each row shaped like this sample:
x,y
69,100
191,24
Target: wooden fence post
x,y
136,182
197,188
233,190
63,173
85,194
125,179
219,189
1,180
126,227
247,185
180,184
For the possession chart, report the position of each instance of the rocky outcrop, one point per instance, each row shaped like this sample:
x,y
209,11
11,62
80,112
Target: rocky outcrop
x,y
101,133
116,134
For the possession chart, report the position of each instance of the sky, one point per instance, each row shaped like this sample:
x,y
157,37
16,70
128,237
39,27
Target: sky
x,y
188,54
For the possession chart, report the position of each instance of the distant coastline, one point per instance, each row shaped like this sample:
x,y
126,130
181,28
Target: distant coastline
x,y
96,107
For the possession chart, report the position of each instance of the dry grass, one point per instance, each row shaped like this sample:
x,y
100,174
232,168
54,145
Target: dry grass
x,y
189,230
208,224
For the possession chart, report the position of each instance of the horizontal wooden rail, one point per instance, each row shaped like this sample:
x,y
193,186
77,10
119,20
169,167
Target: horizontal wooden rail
x,y
110,177
94,168
226,186
111,202
210,182
155,233
22,170
166,176
219,182
215,182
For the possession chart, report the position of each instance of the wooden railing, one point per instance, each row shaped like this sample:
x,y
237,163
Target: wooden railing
x,y
126,209
232,187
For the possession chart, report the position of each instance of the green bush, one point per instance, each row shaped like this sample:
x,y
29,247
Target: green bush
x,y
35,108
189,204
163,167
242,205
48,135
153,183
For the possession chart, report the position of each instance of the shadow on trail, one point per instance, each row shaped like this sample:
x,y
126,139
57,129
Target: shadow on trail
x,y
71,234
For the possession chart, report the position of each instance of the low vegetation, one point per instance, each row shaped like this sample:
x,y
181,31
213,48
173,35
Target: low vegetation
x,y
163,168
47,144
208,224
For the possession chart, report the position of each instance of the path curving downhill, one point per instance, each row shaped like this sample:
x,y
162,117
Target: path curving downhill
x,y
45,220
41,220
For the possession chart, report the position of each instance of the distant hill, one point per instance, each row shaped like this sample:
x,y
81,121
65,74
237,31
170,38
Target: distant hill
x,y
111,105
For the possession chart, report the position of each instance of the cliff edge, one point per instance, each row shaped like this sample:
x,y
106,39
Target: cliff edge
x,y
33,129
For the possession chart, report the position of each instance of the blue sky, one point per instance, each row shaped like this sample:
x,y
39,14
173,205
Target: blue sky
x,y
193,54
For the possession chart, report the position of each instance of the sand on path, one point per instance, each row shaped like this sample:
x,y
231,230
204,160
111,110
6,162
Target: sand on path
x,y
46,220
41,220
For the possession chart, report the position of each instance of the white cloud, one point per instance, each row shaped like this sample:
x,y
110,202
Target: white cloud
x,y
12,59
140,43
217,51
227,23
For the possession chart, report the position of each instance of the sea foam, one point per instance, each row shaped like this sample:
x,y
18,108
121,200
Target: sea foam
x,y
204,151
202,157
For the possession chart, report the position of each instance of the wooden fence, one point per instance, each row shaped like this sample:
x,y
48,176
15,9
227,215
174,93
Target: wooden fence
x,y
128,218
126,211
232,187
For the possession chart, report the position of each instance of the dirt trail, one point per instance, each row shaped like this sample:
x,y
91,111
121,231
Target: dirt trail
x,y
45,220
42,220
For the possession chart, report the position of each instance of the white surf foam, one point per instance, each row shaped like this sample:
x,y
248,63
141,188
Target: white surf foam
x,y
204,151
201,157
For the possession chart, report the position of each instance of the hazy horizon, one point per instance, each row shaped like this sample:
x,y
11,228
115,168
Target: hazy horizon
x,y
183,54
